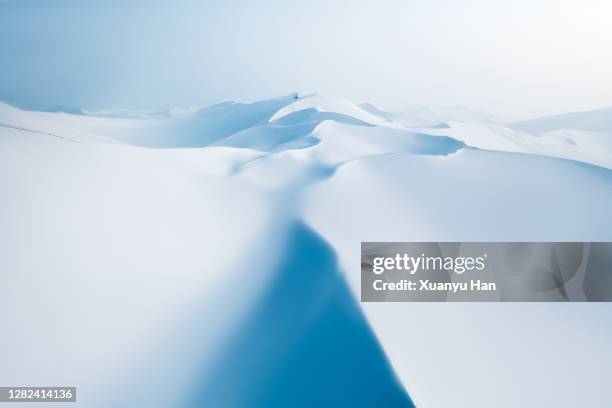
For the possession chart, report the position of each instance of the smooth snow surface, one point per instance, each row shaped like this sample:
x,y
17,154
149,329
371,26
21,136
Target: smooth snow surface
x,y
212,255
428,116
596,121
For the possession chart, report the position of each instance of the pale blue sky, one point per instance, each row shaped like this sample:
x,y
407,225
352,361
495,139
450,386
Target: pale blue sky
x,y
517,58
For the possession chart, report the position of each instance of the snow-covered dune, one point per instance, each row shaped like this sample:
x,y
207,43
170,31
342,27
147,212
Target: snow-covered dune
x,y
579,145
55,125
469,350
323,104
423,116
212,254
195,128
595,121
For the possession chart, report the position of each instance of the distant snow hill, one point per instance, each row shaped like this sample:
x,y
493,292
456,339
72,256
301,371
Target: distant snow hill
x,y
594,121
423,116
213,254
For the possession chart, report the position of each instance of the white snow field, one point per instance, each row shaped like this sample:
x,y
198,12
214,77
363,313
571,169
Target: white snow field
x,y
210,257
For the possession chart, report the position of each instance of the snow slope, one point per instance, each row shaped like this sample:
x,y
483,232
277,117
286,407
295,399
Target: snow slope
x,y
579,145
323,104
211,255
595,121
423,116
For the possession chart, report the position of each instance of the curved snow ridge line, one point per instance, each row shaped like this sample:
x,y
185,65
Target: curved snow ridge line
x,y
601,171
312,115
322,104
325,135
331,170
599,120
394,154
298,170
578,162
270,138
289,145
40,132
578,145
279,148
